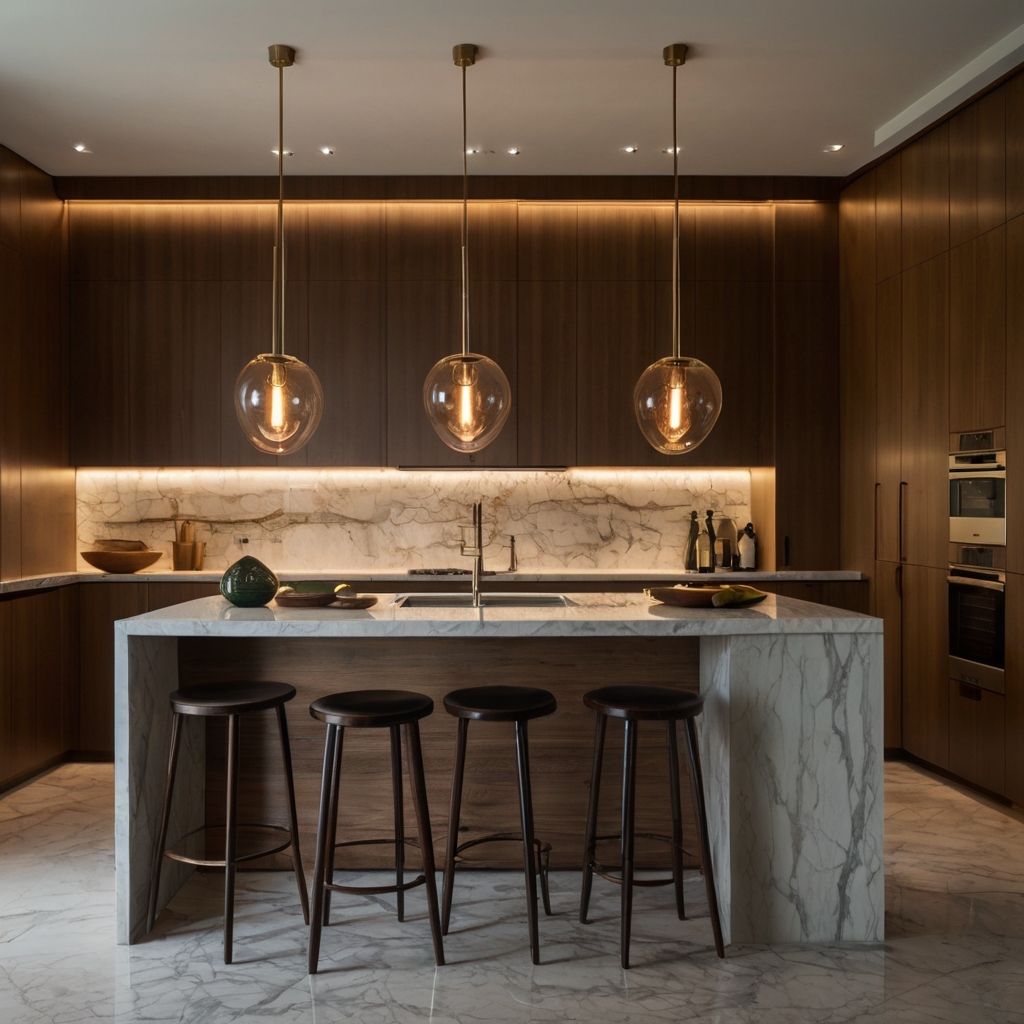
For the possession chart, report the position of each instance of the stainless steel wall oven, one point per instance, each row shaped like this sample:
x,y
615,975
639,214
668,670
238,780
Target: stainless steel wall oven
x,y
977,498
977,627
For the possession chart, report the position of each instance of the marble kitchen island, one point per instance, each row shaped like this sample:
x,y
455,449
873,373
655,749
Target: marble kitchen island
x,y
791,734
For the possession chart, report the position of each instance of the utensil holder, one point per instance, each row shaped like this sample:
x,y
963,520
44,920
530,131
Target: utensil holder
x,y
182,555
198,553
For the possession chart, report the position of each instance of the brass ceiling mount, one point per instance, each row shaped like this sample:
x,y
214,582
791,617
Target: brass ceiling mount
x,y
675,54
281,56
464,54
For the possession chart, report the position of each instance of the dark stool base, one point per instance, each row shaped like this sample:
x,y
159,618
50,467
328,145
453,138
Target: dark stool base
x,y
401,718
500,704
230,700
647,708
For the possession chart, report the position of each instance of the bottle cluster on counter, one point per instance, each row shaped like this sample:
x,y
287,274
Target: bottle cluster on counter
x,y
719,550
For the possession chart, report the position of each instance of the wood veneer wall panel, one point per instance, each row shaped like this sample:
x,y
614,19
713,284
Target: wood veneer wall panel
x,y
857,367
11,401
925,411
547,242
977,333
546,353
807,241
6,694
889,217
1014,391
977,168
888,427
1014,146
734,243
561,745
925,183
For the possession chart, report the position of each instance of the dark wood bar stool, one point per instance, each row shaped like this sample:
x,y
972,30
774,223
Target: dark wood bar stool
x,y
634,704
230,700
400,712
516,704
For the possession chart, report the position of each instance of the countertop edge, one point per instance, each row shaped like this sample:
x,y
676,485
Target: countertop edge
x,y
50,580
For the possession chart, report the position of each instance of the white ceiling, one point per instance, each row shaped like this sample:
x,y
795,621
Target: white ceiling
x,y
184,86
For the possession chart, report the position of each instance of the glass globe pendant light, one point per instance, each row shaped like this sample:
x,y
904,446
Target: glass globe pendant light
x,y
677,399
466,395
278,398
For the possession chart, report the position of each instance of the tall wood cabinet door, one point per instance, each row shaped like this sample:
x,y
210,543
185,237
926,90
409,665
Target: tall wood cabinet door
x,y
925,698
1015,386
925,413
888,598
888,417
924,169
101,605
977,333
1015,688
977,168
857,374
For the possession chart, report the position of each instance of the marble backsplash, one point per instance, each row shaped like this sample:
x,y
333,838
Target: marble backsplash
x,y
387,519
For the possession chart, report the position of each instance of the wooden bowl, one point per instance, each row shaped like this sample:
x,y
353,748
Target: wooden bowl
x,y
121,561
298,599
684,597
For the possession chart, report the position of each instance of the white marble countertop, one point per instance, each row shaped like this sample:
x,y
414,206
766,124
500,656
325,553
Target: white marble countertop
x,y
385,576
599,614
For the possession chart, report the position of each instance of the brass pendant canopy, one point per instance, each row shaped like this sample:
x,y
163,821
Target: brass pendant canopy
x,y
278,398
466,395
678,399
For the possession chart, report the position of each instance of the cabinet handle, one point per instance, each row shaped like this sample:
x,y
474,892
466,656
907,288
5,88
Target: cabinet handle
x,y
902,507
877,487
899,582
970,692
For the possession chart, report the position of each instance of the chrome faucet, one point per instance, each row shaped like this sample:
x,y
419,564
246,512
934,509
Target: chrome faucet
x,y
476,552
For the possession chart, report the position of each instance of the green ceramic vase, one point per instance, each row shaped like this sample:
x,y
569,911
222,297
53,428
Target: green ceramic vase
x,y
249,583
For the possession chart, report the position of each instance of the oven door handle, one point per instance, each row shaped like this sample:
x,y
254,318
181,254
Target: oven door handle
x,y
962,581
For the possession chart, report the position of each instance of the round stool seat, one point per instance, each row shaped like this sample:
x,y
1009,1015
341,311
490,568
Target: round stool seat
x,y
230,698
645,703
371,709
500,703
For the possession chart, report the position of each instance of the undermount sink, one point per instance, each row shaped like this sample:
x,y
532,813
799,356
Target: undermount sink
x,y
463,600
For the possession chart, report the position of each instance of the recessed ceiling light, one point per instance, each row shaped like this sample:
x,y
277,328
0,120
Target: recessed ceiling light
x,y
287,152
834,148
81,147
630,149
327,151
668,151
514,151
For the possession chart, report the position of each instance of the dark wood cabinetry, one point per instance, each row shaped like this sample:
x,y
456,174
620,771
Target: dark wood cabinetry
x,y
948,228
887,594
977,737
924,391
925,664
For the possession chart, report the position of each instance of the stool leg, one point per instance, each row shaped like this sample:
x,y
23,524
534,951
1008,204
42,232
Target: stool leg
x,y
543,869
419,790
454,813
677,819
601,727
332,822
697,780
230,837
526,814
328,786
396,789
293,819
628,817
158,853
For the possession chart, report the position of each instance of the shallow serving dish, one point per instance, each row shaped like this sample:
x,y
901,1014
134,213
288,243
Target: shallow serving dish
x,y
685,597
121,561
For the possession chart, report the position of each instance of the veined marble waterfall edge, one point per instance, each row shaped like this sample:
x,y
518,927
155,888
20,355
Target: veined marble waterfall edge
x,y
804,847
389,519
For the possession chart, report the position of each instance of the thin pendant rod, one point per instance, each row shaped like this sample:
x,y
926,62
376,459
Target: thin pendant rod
x,y
465,224
279,247
676,312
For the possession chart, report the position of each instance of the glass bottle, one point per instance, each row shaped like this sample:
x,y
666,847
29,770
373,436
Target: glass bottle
x,y
705,551
691,544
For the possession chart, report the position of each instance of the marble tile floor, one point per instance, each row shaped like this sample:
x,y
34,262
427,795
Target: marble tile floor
x,y
954,950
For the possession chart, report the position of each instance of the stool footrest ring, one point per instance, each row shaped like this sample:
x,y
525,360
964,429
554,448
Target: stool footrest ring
x,y
203,863
376,890
541,848
603,870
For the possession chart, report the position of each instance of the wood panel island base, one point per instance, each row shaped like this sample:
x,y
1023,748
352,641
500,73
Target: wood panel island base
x,y
791,736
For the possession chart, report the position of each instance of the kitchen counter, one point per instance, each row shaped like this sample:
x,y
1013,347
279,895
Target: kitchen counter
x,y
588,576
791,737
